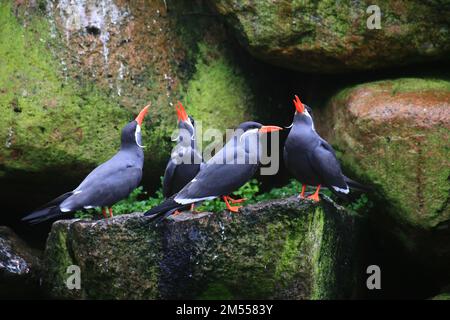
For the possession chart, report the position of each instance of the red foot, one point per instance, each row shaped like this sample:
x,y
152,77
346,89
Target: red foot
x,y
315,195
233,201
302,194
104,213
176,213
110,212
230,208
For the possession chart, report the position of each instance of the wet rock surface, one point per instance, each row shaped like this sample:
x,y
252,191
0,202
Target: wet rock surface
x,y
278,249
394,135
19,266
323,36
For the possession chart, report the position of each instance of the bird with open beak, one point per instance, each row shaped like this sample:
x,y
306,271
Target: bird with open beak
x,y
229,169
110,182
185,160
311,159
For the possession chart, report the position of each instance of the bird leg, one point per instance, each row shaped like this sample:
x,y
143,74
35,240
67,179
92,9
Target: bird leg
x,y
232,209
302,194
234,201
315,195
110,212
192,208
104,212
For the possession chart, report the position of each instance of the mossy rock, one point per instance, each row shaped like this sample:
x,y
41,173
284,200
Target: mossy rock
x,y
394,135
47,122
328,36
287,249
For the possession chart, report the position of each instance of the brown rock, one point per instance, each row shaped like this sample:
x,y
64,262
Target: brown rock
x,y
395,134
328,36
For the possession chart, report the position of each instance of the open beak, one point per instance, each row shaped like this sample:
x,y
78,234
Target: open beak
x,y
181,113
266,129
142,114
298,105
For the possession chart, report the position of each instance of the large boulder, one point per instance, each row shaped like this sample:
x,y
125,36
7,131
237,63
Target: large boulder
x,y
328,36
75,73
394,135
278,249
19,266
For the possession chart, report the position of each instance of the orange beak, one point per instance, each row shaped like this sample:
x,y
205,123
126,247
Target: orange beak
x,y
142,114
181,113
266,129
299,105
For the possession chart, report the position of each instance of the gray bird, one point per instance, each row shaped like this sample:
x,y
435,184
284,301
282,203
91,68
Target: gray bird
x,y
110,182
312,160
229,169
185,161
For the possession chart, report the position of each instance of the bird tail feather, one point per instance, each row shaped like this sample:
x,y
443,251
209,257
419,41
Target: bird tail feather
x,y
356,185
47,211
158,217
163,210
42,215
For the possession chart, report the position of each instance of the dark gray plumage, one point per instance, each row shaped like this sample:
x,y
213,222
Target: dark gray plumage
x,y
186,160
311,159
110,182
229,169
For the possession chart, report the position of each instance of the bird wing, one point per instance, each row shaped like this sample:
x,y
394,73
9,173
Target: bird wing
x,y
168,178
325,165
215,180
220,175
107,184
327,146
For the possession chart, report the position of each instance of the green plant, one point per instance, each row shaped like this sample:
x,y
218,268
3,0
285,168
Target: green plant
x,y
362,205
292,188
138,202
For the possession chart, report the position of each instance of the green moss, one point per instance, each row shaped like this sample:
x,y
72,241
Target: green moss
x,y
320,36
285,249
216,291
123,259
287,265
62,254
57,260
45,118
400,85
404,160
418,85
398,179
323,257
287,255
442,296
218,93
